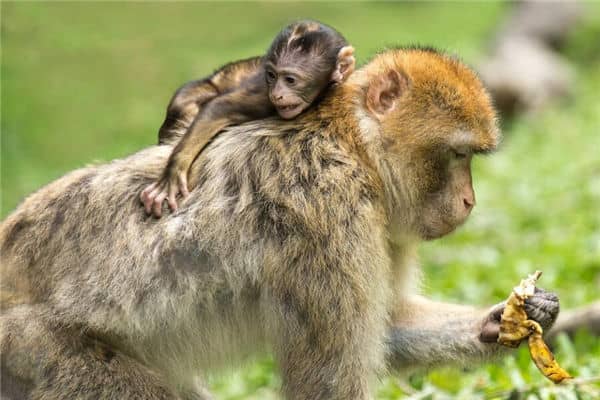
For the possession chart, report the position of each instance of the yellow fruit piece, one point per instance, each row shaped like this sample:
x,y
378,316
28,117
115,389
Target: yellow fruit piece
x,y
515,327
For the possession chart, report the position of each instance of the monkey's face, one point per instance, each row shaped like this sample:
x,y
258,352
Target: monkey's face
x,y
292,90
429,130
443,187
302,61
433,187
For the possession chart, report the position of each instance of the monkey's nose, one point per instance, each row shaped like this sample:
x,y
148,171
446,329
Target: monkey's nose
x,y
469,203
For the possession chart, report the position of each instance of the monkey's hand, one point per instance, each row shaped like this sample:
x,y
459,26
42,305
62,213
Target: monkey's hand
x,y
542,307
516,325
171,184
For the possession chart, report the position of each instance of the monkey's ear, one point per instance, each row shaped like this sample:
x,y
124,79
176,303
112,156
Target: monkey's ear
x,y
384,91
344,65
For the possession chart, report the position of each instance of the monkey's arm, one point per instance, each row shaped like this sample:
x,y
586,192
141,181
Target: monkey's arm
x,y
184,106
427,333
190,98
233,108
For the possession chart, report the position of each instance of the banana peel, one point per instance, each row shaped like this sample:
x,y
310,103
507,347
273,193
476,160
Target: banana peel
x,y
516,327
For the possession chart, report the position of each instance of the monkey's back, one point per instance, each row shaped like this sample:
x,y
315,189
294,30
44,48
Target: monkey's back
x,y
82,231
84,248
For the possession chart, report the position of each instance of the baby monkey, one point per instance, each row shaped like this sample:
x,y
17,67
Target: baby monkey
x,y
304,60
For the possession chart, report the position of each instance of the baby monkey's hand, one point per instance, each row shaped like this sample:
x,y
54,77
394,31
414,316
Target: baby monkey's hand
x,y
171,184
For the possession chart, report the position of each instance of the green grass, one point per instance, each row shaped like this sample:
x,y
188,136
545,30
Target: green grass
x,y
88,82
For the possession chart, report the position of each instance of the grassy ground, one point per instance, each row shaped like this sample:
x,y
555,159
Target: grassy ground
x,y
88,82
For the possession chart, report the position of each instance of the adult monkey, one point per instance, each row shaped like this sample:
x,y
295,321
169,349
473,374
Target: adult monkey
x,y
299,238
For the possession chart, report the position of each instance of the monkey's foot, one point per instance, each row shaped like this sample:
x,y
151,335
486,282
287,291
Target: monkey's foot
x,y
167,188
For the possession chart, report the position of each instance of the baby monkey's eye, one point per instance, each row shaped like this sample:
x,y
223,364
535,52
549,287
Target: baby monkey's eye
x,y
271,76
290,80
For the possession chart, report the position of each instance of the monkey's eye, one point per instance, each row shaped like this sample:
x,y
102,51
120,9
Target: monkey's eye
x,y
290,80
271,76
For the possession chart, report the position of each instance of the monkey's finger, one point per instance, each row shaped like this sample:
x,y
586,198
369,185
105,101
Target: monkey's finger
x,y
491,325
150,199
543,307
145,192
545,317
541,293
171,198
158,201
490,332
183,186
496,311
149,188
546,304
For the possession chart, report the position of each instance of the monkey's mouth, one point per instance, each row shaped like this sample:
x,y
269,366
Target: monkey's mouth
x,y
289,111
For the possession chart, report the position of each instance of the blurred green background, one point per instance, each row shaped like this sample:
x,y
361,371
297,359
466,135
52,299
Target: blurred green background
x,y
89,82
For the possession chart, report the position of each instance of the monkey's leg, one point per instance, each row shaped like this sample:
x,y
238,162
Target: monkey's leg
x,y
174,178
312,368
428,333
325,364
189,100
184,107
229,109
330,347
42,361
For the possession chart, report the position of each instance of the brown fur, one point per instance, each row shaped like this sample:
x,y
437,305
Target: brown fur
x,y
304,59
300,239
190,98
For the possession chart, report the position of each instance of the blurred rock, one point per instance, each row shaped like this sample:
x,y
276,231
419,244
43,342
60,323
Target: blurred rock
x,y
548,22
523,75
523,70
582,318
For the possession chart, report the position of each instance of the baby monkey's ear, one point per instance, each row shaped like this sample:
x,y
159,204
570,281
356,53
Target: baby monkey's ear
x,y
344,65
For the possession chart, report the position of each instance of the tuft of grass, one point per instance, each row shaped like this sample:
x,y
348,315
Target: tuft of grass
x,y
90,81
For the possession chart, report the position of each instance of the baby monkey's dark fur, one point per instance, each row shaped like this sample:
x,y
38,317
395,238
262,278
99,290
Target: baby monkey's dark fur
x,y
304,59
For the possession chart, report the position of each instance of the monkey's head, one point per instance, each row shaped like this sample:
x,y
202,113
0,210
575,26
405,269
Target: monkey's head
x,y
431,115
303,60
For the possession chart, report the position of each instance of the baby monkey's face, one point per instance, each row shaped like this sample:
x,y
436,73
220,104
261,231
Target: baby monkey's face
x,y
292,90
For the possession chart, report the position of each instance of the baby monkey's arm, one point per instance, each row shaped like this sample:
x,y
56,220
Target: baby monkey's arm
x,y
233,108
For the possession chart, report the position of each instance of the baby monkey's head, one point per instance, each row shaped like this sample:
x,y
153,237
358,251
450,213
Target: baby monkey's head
x,y
303,60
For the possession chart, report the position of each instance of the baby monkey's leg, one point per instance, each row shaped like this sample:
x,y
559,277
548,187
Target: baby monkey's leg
x,y
189,100
226,110
184,107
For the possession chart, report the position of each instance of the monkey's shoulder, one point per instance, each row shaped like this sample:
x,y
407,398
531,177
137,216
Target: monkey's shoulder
x,y
302,161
